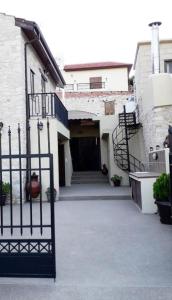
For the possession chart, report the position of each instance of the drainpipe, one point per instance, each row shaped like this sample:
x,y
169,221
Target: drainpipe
x,y
26,93
27,108
155,53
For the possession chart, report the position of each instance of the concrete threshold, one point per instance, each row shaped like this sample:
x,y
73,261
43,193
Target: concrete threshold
x,y
101,197
94,192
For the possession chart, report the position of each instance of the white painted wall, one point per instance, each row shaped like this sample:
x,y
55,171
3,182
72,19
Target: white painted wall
x,y
143,63
56,128
116,79
147,199
107,124
34,63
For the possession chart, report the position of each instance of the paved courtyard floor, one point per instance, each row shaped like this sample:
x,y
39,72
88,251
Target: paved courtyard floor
x,y
106,250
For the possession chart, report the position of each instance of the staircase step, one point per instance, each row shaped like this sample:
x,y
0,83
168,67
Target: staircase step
x,y
85,181
88,177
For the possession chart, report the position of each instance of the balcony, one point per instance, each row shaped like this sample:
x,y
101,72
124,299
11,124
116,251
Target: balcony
x,y
84,86
47,105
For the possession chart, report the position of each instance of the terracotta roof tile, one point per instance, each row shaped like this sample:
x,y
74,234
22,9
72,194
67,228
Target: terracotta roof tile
x,y
97,65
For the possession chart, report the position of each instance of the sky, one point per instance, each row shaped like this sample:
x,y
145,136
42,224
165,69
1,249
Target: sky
x,y
80,31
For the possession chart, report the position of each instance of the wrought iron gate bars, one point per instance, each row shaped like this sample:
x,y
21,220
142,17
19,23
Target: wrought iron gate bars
x,y
28,257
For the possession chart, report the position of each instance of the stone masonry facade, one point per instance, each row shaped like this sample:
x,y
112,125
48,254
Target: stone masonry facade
x,y
94,102
154,120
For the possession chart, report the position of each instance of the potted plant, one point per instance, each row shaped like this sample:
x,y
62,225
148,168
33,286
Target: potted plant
x,y
4,191
48,193
116,179
161,192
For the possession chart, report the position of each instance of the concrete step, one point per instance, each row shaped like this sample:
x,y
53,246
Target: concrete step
x,y
95,197
88,177
89,173
89,180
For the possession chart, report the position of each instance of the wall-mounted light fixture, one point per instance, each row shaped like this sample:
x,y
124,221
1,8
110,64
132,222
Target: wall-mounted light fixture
x,y
151,149
46,72
157,147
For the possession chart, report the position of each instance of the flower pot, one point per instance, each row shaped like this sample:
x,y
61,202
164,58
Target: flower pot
x,y
164,209
49,196
33,187
117,182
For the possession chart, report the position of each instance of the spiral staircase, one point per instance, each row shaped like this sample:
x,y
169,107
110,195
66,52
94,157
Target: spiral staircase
x,y
127,127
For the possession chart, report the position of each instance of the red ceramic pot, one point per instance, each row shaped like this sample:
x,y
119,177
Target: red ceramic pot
x,y
33,187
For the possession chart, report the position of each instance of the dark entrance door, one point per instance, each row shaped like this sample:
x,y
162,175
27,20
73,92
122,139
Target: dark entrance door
x,y
85,153
61,165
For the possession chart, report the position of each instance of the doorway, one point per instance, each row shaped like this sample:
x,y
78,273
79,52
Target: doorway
x,y
85,153
61,165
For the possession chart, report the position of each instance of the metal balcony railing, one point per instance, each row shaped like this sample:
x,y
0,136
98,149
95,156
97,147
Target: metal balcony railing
x,y
69,87
47,105
91,85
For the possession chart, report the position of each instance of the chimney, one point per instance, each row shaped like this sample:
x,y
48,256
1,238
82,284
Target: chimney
x,y
155,55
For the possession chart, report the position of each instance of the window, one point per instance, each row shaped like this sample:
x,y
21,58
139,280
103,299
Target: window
x,y
32,82
109,108
44,100
168,66
95,82
43,83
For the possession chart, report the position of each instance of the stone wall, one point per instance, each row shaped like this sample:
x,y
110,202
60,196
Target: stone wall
x,y
94,102
154,120
12,87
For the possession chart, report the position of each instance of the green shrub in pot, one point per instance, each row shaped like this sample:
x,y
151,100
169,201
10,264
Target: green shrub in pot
x,y
161,192
161,187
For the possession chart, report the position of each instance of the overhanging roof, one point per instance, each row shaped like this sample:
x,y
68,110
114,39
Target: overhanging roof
x,y
32,31
95,66
80,115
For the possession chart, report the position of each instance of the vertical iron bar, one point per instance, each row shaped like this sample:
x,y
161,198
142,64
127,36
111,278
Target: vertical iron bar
x,y
40,176
20,178
126,137
52,105
1,180
52,212
48,135
170,160
10,169
29,196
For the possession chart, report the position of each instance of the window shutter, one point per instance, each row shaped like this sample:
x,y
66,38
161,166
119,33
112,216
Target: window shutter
x,y
109,108
95,82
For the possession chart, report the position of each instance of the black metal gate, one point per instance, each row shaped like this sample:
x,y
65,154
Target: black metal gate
x,y
27,242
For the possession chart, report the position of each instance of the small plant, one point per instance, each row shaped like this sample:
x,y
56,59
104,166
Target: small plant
x,y
4,191
161,187
116,180
5,188
48,192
